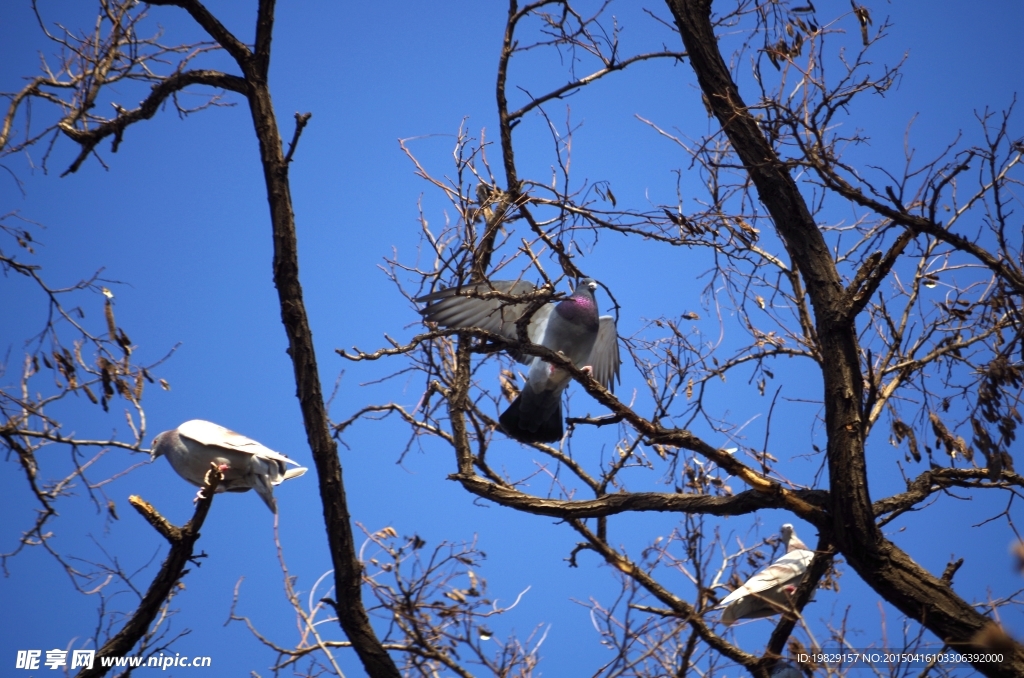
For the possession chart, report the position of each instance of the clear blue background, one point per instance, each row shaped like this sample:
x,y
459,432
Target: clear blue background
x,y
181,218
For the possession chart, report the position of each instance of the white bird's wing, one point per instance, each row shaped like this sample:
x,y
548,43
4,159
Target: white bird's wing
x,y
788,567
214,435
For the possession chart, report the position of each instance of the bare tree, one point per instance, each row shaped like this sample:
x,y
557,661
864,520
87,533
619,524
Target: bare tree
x,y
432,602
858,300
68,357
93,61
421,628
910,317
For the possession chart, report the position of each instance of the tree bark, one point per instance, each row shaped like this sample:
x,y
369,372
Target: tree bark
x,y
183,541
347,569
887,569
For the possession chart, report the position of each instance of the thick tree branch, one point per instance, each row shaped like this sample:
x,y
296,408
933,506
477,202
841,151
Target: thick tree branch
x,y
916,224
182,542
628,502
835,331
652,432
235,47
348,571
887,569
937,479
90,138
264,35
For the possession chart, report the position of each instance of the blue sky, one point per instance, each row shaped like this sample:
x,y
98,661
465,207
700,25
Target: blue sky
x,y
180,219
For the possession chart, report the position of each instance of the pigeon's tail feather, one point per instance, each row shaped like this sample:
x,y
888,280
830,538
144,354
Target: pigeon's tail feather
x,y
527,428
266,491
294,473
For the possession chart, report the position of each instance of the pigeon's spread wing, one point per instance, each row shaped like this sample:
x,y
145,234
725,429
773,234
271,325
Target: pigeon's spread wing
x,y
213,435
604,357
462,307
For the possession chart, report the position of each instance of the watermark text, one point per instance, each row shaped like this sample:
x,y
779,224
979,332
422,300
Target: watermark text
x,y
33,660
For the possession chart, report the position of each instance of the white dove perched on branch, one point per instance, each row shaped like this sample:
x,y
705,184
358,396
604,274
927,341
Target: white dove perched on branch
x,y
246,464
768,592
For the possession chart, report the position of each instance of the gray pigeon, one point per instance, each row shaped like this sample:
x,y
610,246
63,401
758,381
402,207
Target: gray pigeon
x,y
571,327
768,592
246,464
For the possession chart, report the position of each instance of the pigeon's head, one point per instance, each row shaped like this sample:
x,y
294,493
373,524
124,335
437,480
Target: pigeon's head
x,y
159,445
584,291
790,539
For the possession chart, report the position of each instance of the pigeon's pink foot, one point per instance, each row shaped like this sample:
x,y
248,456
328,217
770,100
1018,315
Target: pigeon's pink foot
x,y
588,369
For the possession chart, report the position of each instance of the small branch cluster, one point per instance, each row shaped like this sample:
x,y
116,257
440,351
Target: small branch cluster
x,y
68,358
79,81
433,602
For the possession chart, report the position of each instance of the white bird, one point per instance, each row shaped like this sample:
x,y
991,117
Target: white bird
x,y
246,464
768,592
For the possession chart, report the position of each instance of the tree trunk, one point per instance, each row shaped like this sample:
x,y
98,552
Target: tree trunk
x,y
887,569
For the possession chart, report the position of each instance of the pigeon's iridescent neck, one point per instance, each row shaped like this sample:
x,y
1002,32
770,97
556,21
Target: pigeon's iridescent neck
x,y
585,302
579,309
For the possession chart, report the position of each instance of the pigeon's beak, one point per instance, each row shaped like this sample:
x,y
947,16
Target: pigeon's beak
x,y
154,449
